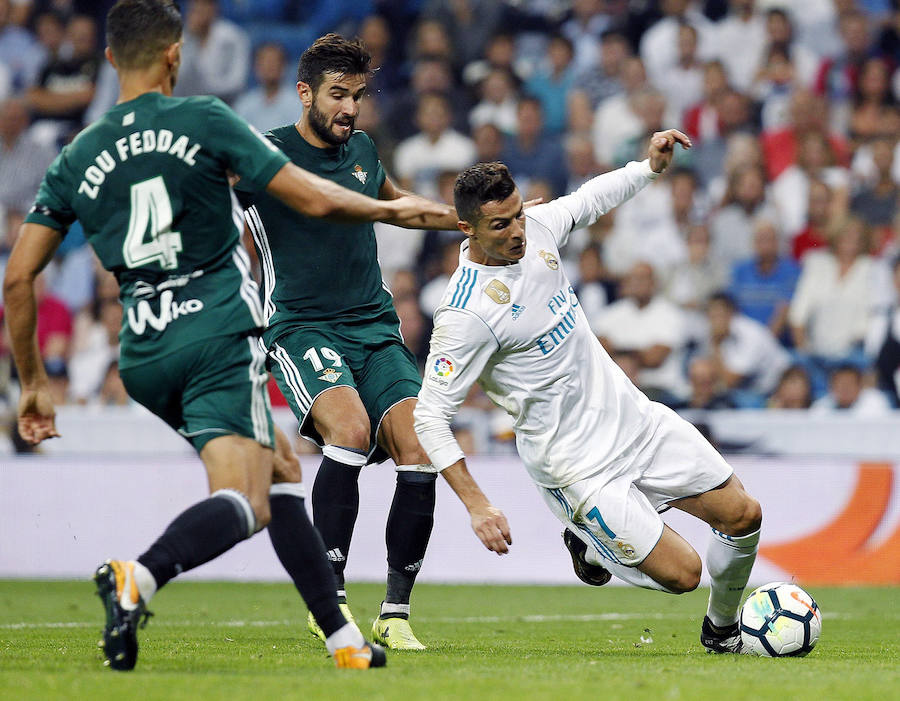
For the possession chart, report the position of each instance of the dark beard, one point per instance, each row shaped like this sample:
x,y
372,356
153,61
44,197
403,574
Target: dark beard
x,y
318,122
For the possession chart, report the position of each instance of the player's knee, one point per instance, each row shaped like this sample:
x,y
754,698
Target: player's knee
x,y
747,518
752,516
353,432
412,455
286,468
688,576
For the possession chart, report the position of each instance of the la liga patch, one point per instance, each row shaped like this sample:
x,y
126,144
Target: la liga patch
x,y
440,370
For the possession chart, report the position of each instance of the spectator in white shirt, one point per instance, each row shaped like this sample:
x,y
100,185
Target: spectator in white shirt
x,y
615,120
847,394
419,159
498,102
273,103
740,42
652,326
215,57
692,283
682,82
780,34
837,292
816,160
745,354
659,46
746,200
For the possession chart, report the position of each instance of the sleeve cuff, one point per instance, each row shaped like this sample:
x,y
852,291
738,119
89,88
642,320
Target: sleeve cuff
x,y
646,170
445,456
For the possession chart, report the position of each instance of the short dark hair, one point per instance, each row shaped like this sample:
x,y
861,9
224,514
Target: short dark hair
x,y
480,183
332,53
724,298
137,31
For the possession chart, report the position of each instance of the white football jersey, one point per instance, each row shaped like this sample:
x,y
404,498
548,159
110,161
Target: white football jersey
x,y
520,332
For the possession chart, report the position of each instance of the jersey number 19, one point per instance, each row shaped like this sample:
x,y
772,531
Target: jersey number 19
x,y
151,214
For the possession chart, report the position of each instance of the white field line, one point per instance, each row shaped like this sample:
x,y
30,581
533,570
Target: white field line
x,y
574,618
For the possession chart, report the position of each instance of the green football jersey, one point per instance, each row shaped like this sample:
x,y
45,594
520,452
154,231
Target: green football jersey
x,y
313,269
149,184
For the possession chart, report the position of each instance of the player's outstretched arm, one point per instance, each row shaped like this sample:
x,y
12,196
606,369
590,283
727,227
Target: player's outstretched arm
x,y
488,522
318,197
33,250
444,221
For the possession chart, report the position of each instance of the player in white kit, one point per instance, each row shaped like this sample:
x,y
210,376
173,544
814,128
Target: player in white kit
x,y
606,458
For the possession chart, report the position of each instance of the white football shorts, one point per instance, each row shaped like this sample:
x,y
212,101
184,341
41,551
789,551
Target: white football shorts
x,y
616,509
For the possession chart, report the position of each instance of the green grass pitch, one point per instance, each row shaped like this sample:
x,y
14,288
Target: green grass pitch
x,y
242,641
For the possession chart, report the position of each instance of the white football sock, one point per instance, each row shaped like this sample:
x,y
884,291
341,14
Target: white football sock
x,y
146,584
389,608
346,635
729,560
632,575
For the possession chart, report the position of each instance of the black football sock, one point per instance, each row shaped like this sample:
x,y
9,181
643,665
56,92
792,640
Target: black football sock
x,y
200,534
408,530
335,502
302,552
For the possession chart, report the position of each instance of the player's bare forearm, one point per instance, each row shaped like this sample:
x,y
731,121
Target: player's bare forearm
x,y
318,197
442,221
314,196
33,250
488,522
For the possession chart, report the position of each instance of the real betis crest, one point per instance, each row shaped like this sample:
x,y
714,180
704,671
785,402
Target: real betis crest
x,y
360,174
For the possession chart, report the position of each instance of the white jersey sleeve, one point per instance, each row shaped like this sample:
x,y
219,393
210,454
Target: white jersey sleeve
x,y
461,347
592,200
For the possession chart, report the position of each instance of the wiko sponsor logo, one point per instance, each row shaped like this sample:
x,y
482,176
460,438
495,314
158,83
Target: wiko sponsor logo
x,y
142,314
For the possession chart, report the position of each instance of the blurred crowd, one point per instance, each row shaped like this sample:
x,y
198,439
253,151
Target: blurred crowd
x,y
762,271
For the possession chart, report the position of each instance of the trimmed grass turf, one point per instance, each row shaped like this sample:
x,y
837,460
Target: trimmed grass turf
x,y
237,641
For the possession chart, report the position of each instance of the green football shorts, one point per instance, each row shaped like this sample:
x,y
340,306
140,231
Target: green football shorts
x,y
316,357
207,389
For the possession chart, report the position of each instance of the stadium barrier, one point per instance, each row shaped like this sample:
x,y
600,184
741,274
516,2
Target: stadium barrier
x,y
826,520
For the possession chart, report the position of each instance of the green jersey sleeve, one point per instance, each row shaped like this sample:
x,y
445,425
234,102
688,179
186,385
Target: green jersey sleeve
x,y
247,152
52,206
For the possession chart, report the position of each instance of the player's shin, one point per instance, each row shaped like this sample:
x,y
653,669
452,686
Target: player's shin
x,y
729,560
408,530
200,534
302,553
335,500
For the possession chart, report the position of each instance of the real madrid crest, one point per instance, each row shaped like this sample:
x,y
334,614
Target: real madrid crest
x,y
498,292
549,259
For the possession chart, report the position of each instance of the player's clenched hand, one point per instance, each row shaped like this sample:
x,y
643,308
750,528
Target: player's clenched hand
x,y
491,527
662,148
37,417
414,211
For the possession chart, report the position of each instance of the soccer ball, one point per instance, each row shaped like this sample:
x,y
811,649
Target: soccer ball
x,y
780,620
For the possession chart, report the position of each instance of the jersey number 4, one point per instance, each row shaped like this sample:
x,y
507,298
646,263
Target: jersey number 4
x,y
150,238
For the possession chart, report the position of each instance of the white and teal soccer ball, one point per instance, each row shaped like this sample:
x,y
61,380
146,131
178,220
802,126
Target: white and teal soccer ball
x,y
780,620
